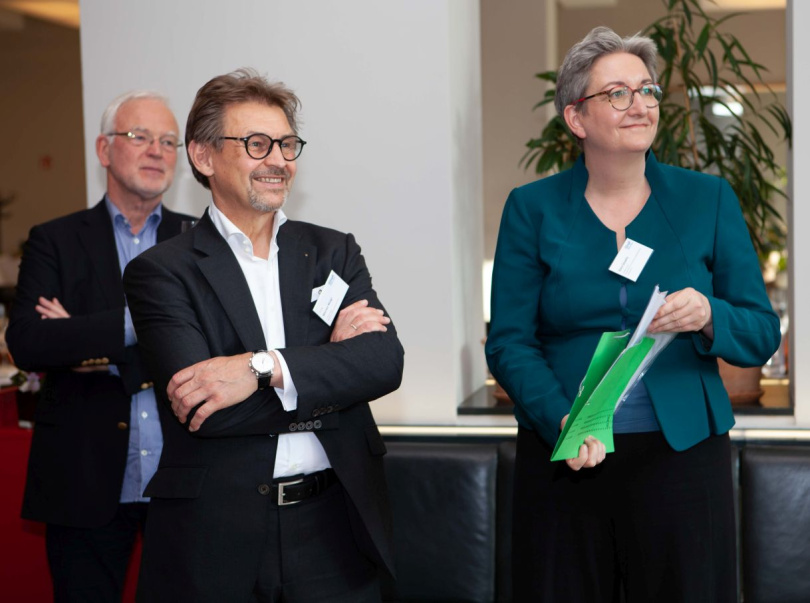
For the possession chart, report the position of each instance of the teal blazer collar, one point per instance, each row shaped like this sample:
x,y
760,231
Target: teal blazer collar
x,y
659,183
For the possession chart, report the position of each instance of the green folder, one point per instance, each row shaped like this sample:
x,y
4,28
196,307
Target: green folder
x,y
612,367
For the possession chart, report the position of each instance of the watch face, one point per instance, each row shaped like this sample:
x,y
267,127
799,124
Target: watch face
x,y
262,363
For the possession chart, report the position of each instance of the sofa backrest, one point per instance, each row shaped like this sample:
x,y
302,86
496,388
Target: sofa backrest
x,y
443,501
452,505
775,487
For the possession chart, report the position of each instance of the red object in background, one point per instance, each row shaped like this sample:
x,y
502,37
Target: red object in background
x,y
23,567
24,575
45,162
8,407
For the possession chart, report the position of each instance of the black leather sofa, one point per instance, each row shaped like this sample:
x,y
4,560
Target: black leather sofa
x,y
452,514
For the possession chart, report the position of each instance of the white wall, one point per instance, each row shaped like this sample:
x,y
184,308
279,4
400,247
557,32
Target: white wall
x,y
391,114
464,111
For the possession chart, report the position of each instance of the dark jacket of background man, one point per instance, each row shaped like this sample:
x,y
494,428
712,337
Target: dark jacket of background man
x,y
68,320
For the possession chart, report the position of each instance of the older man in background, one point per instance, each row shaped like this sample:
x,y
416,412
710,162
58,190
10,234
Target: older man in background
x,y
97,437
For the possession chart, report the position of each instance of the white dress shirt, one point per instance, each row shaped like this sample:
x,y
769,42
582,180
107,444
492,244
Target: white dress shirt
x,y
297,452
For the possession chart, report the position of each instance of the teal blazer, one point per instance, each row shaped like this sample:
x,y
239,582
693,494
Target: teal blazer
x,y
553,296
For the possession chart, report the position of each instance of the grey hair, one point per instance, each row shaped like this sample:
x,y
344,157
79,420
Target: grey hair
x,y
575,73
110,113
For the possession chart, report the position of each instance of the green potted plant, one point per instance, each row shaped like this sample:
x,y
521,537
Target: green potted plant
x,y
702,67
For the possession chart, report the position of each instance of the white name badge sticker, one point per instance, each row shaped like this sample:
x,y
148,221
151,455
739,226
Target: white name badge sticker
x,y
330,298
631,259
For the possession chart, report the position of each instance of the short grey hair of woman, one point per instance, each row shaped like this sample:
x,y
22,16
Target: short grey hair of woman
x,y
575,73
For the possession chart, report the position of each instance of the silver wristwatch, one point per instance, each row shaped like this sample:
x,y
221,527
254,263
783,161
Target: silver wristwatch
x,y
262,365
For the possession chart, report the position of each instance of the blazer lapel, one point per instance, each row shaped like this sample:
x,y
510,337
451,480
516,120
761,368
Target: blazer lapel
x,y
296,272
223,273
98,241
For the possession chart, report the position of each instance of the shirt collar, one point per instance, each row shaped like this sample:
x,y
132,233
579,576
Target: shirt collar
x,y
235,237
118,218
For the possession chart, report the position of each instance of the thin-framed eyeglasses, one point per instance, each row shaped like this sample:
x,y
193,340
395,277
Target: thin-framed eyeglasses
x,y
139,138
259,146
621,97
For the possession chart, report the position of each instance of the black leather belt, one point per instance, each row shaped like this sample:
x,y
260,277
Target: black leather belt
x,y
294,489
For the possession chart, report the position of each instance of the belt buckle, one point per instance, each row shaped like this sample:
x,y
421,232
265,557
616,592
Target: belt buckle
x,y
281,486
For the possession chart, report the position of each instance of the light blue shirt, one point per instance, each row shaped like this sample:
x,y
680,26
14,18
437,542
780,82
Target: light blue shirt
x,y
145,437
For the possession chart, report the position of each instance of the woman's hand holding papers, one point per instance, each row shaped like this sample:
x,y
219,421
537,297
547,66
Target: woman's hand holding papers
x,y
591,453
685,311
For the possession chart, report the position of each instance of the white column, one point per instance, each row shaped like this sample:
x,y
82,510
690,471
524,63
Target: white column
x,y
391,98
798,93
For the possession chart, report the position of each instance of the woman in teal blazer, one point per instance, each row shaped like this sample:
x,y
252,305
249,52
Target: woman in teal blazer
x,y
655,519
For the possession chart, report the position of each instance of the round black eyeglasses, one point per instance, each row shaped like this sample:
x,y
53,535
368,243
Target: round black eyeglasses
x,y
259,146
621,97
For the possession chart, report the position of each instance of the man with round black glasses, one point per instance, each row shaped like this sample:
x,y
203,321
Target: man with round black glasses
x,y
97,436
267,343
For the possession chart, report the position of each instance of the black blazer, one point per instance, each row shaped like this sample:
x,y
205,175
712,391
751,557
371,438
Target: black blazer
x,y
190,302
79,446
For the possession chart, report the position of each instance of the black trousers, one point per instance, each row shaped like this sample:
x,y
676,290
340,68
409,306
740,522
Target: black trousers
x,y
89,565
311,556
647,524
